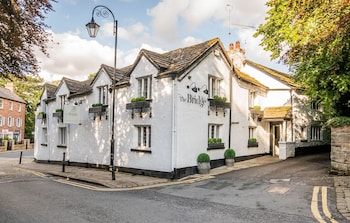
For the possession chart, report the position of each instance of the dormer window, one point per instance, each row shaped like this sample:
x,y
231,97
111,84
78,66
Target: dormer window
x,y
145,87
214,86
103,95
63,100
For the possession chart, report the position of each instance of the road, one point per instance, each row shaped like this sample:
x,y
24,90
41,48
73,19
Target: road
x,y
280,192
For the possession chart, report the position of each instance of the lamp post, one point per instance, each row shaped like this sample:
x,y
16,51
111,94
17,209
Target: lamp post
x,y
92,29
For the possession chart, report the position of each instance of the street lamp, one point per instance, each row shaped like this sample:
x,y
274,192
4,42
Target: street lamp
x,y
92,29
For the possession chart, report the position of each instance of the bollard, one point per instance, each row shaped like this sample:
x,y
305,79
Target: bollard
x,y
20,157
64,162
26,145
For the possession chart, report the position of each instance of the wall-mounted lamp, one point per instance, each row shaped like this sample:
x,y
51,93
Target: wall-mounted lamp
x,y
194,88
205,91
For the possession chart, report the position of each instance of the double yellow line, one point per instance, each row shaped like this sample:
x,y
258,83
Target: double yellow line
x,y
314,205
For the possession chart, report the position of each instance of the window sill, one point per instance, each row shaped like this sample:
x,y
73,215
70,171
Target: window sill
x,y
43,144
61,146
141,150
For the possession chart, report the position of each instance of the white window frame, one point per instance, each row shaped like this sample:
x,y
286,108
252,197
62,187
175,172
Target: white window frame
x,y
19,107
251,99
63,100
214,130
44,135
2,120
10,121
145,86
1,103
144,136
103,94
18,122
11,105
315,133
214,86
252,132
62,136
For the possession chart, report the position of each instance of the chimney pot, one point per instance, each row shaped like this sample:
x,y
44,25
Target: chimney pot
x,y
238,45
231,47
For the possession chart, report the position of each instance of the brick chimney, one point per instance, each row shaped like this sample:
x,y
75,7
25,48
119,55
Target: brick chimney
x,y
231,47
238,45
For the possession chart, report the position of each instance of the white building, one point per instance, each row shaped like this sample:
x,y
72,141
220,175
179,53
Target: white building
x,y
196,101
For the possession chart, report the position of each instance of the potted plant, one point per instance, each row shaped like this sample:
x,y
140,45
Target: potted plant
x,y
215,143
138,103
58,113
252,142
203,161
218,101
97,108
230,156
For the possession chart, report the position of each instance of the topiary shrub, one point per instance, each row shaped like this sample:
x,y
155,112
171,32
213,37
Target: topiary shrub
x,y
203,158
229,154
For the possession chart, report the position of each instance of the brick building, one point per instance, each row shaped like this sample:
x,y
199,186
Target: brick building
x,y
12,114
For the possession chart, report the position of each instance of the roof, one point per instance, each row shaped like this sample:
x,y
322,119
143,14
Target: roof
x,y
285,78
280,112
50,91
77,87
248,78
8,94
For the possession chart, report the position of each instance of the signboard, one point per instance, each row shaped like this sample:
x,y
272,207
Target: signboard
x,y
71,114
5,131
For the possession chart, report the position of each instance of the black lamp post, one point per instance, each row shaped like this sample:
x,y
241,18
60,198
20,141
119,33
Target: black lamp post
x,y
92,29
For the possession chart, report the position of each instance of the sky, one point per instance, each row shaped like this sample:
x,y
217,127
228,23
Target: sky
x,y
156,25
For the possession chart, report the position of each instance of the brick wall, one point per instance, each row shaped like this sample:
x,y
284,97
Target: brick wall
x,y
340,150
15,113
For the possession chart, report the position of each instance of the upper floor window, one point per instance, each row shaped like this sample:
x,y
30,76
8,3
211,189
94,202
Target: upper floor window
x,y
11,105
1,103
19,107
63,100
144,137
10,121
103,94
18,122
62,136
2,120
215,86
44,136
315,105
145,87
315,132
251,99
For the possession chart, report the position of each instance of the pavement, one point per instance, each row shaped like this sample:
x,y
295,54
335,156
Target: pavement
x,y
102,180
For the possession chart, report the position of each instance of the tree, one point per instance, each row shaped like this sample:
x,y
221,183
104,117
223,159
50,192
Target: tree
x,y
312,37
22,30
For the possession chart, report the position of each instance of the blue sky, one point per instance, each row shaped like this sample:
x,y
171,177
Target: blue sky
x,y
157,25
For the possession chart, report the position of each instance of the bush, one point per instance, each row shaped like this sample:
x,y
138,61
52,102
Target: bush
x,y
96,105
339,121
229,154
203,158
141,98
218,98
252,140
59,110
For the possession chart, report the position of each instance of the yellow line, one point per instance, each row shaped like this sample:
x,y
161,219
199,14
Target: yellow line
x,y
314,205
325,205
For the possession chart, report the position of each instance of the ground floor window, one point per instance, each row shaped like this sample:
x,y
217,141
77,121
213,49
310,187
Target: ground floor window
x,y
144,134
62,136
315,133
252,132
214,131
44,136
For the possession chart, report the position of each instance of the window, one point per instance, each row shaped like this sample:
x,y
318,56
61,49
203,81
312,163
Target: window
x,y
303,133
11,105
18,122
214,86
315,105
2,120
63,100
62,136
44,136
10,121
145,87
1,103
214,131
103,94
251,99
315,133
252,132
144,137
19,107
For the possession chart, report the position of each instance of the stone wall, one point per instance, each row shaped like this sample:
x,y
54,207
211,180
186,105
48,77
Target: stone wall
x,y
340,150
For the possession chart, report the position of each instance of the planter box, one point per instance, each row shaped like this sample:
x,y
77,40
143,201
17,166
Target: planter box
x,y
41,116
219,104
98,109
203,168
216,146
229,162
138,105
58,114
253,144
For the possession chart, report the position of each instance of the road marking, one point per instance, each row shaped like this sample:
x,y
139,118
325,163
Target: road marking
x,y
314,205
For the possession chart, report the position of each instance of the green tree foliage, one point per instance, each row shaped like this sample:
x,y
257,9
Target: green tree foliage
x,y
28,88
313,38
22,30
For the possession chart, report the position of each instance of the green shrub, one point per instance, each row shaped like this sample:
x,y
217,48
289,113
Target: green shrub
x,y
141,98
211,140
203,158
218,98
338,121
41,113
252,140
59,110
257,107
229,154
96,105
218,140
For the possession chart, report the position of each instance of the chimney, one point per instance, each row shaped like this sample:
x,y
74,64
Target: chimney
x,y
231,47
238,45
9,86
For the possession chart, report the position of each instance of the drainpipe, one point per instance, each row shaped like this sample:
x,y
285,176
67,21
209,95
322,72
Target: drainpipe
x,y
230,113
292,121
173,126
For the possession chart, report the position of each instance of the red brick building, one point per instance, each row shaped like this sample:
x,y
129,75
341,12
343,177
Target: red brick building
x,y
12,114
